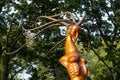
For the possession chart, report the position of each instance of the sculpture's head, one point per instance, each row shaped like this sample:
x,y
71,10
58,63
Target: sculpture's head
x,y
73,31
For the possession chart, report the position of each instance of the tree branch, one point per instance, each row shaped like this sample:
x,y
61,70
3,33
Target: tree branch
x,y
101,33
67,12
101,59
59,20
12,76
7,38
40,26
50,17
99,25
32,38
55,46
81,21
15,41
115,26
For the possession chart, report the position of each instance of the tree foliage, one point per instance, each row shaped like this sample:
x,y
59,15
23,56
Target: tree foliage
x,y
99,39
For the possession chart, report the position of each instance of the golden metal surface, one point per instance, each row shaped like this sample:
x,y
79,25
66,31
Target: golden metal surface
x,y
72,60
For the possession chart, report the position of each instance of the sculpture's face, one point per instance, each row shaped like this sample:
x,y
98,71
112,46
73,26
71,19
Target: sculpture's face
x,y
73,31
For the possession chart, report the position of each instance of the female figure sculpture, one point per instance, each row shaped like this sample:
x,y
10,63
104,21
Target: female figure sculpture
x,y
72,60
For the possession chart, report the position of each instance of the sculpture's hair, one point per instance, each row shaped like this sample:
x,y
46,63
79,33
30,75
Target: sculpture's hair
x,y
54,22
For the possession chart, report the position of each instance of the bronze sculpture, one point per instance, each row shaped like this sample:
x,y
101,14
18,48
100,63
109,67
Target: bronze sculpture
x,y
72,60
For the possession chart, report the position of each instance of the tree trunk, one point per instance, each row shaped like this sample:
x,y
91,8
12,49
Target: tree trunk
x,y
6,67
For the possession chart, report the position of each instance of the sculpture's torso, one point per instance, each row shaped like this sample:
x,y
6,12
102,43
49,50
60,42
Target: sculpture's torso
x,y
72,60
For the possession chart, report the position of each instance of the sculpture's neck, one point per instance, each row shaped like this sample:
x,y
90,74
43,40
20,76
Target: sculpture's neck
x,y
69,45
